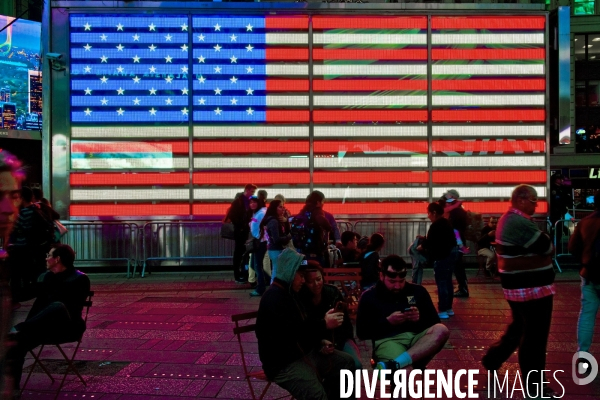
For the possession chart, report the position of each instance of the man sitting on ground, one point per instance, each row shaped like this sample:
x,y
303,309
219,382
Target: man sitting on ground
x,y
55,316
488,236
400,318
349,251
288,354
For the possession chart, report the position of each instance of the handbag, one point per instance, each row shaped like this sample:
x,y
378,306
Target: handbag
x,y
250,245
227,231
59,230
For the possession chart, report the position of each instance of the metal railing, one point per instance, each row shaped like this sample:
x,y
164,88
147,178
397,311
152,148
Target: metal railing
x,y
174,243
563,229
101,242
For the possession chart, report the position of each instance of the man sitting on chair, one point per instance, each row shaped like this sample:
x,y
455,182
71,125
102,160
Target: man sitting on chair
x,y
400,318
55,316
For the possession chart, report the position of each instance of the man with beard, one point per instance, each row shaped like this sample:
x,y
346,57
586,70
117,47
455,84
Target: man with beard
x,y
400,319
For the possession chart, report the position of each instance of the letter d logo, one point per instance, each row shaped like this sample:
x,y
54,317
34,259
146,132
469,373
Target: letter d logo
x,y
579,368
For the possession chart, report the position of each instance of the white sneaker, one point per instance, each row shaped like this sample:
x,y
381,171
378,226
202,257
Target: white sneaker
x,y
450,312
443,315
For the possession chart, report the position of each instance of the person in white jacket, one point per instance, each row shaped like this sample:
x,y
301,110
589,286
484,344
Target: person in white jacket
x,y
257,205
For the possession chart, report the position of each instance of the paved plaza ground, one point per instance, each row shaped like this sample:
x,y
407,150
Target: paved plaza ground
x,y
169,336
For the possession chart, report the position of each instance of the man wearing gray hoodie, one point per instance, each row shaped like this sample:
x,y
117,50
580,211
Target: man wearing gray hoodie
x,y
288,354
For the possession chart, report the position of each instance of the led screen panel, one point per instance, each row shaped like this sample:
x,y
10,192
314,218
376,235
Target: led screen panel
x,y
173,114
20,75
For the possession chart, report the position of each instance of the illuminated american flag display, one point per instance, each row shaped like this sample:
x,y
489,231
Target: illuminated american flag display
x,y
245,82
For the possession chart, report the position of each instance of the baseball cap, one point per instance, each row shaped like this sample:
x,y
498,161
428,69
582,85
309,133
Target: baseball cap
x,y
451,195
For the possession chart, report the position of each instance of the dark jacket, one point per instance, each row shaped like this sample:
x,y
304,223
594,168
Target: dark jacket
x,y
377,303
278,233
334,234
440,240
70,287
560,202
582,242
238,213
485,242
369,268
350,255
282,328
316,315
458,218
322,227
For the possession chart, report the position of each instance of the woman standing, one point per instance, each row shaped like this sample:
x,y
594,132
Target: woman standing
x,y
277,230
369,261
257,205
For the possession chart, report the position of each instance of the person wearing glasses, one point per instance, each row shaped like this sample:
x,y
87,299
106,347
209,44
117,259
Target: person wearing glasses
x,y
527,277
55,316
401,320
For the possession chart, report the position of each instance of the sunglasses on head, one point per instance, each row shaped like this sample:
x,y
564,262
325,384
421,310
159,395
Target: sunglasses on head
x,y
394,275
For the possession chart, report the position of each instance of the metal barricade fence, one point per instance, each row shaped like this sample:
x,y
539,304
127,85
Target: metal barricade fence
x,y
101,242
563,229
344,226
174,243
399,235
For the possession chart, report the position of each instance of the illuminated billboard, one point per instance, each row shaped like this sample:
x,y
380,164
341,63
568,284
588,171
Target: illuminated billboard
x,y
20,74
241,99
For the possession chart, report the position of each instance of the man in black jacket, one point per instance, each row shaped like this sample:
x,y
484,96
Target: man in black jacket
x,y
458,217
55,316
400,319
239,215
285,344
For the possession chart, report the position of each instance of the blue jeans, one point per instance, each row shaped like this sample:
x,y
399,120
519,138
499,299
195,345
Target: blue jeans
x,y
273,254
590,302
442,270
257,266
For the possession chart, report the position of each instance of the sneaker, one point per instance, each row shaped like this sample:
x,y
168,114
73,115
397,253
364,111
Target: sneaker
x,y
450,312
390,364
253,284
461,293
241,281
443,315
254,293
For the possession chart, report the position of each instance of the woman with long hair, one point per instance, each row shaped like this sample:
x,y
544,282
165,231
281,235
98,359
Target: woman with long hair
x,y
369,261
323,302
277,231
257,206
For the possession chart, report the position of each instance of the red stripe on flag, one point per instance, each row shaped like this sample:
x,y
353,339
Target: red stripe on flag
x,y
491,85
129,179
130,147
362,22
249,147
498,207
369,177
368,84
242,178
287,22
368,147
444,177
130,210
288,116
287,85
369,115
360,54
507,146
275,54
488,54
491,22
488,115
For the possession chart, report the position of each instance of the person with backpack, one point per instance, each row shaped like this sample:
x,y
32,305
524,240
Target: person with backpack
x,y
585,244
276,229
369,261
310,229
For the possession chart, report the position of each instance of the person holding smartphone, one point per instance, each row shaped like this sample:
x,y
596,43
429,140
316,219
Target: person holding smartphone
x,y
324,302
400,318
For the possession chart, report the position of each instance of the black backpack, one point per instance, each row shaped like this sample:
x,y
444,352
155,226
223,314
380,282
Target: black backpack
x,y
306,235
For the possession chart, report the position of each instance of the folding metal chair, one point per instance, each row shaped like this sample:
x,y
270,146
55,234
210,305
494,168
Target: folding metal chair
x,y
248,375
70,366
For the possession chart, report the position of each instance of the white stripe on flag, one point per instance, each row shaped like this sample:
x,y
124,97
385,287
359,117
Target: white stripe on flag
x,y
490,100
368,38
286,69
370,100
488,69
371,162
287,38
330,193
490,161
125,163
383,69
484,192
250,131
489,130
129,194
282,101
100,132
323,131
488,38
251,163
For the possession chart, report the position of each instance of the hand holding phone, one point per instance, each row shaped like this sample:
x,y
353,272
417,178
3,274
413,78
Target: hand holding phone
x,y
341,306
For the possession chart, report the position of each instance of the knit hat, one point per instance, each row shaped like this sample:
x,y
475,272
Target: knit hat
x,y
288,263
